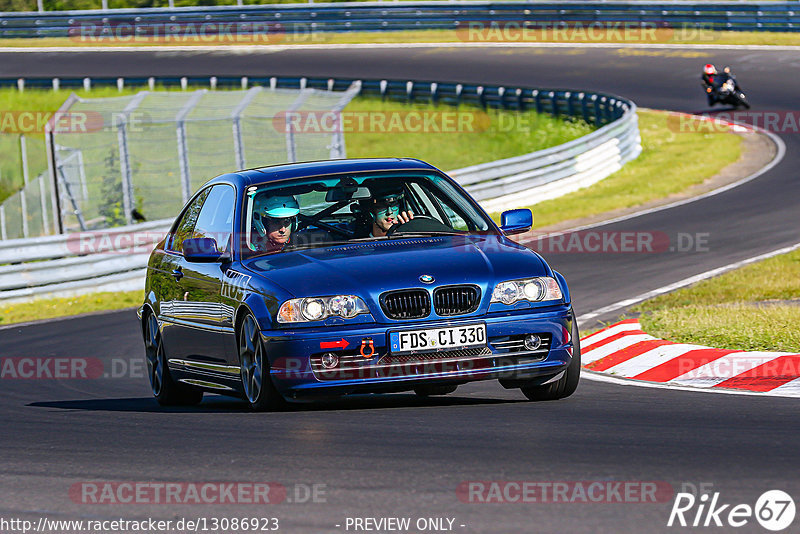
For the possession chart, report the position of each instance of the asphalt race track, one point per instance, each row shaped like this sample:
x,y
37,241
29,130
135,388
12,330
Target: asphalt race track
x,y
397,455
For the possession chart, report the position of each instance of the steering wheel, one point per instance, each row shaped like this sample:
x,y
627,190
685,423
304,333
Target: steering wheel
x,y
396,226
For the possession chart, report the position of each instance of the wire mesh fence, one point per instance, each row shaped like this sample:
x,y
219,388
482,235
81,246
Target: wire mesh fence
x,y
23,167
120,159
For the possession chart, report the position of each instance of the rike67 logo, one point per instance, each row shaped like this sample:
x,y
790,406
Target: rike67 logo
x,y
774,510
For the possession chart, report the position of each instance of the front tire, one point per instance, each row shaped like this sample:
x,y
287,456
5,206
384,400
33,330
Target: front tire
x,y
256,384
166,390
743,101
567,384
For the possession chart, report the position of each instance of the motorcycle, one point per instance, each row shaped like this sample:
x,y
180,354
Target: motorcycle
x,y
728,91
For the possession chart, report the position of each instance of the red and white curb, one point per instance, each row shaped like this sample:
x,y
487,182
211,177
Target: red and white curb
x,y
624,350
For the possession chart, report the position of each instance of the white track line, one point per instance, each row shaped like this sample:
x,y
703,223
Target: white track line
x,y
253,48
682,283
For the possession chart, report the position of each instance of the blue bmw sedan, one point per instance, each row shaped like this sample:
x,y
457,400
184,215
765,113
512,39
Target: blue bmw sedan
x,y
315,280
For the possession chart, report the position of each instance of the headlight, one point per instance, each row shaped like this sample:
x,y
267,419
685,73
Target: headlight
x,y
318,308
530,289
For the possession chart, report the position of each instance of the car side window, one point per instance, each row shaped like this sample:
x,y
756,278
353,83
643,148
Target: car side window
x,y
456,221
424,200
440,208
185,227
216,216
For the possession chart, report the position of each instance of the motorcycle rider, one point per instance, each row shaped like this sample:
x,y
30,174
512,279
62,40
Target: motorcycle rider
x,y
709,83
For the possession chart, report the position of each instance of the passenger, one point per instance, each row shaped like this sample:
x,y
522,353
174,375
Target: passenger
x,y
274,220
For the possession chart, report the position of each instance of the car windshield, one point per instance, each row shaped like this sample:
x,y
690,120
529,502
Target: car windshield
x,y
322,211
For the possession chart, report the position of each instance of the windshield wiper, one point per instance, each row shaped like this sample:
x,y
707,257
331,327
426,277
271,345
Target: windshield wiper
x,y
431,233
315,245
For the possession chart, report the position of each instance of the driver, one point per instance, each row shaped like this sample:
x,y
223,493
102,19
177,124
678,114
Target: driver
x,y
274,219
386,208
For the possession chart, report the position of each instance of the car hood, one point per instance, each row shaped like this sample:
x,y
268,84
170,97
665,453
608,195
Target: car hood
x,y
370,268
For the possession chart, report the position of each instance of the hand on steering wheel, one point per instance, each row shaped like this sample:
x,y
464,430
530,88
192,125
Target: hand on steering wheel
x,y
405,216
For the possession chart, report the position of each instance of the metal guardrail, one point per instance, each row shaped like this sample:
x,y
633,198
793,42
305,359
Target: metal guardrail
x,y
555,171
69,263
74,263
378,16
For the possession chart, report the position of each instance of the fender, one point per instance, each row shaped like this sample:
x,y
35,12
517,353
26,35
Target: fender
x,y
562,283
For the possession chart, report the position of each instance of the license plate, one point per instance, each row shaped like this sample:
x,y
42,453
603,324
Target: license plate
x,y
433,339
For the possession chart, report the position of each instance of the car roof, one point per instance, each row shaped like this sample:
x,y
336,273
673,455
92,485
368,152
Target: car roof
x,y
285,171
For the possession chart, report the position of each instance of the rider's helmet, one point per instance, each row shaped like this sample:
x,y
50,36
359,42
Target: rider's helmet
x,y
709,69
726,69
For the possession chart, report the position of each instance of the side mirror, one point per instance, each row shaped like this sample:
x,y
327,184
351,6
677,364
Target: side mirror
x,y
201,250
516,221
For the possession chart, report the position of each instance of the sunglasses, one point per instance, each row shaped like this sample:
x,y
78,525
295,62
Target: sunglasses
x,y
283,222
387,211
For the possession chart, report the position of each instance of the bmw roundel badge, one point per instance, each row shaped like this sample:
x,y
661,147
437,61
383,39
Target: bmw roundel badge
x,y
426,279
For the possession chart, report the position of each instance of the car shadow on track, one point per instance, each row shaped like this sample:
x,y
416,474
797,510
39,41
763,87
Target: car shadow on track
x,y
144,404
219,404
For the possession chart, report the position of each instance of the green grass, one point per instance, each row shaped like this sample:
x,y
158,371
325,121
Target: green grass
x,y
647,36
62,307
670,162
742,309
497,135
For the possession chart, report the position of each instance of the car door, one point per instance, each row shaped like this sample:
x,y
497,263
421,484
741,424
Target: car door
x,y
170,275
205,318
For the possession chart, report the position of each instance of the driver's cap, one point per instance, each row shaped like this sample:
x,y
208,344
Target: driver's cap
x,y
386,192
278,207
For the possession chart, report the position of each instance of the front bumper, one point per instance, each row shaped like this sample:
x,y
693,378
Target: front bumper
x,y
368,367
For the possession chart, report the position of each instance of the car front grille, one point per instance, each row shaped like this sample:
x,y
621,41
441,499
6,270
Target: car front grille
x,y
393,359
456,300
406,304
